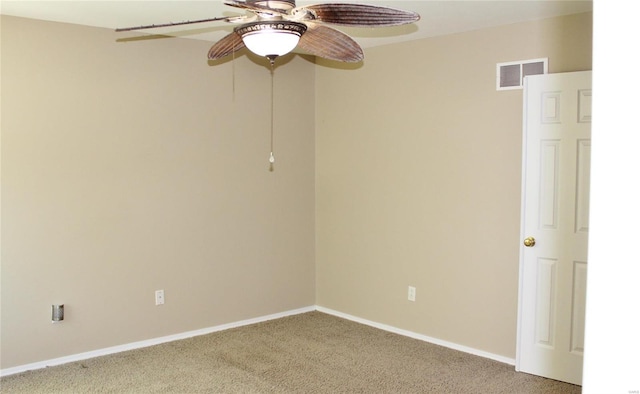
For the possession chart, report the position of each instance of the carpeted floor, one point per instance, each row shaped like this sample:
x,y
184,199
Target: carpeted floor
x,y
307,353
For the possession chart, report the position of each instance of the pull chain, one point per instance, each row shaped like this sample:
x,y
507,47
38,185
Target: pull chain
x,y
233,73
272,159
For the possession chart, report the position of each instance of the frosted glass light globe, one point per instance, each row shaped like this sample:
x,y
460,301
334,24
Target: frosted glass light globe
x,y
271,42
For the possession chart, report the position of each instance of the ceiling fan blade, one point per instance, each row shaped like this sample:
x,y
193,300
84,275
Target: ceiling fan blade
x,y
224,18
226,46
255,7
357,15
329,43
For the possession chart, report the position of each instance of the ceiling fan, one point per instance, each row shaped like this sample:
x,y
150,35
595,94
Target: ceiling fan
x,y
273,28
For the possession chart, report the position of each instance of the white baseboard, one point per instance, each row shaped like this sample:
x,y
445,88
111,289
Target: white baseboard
x,y
204,331
149,342
421,337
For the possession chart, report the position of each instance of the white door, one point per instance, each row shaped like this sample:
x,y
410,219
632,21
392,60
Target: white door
x,y
555,225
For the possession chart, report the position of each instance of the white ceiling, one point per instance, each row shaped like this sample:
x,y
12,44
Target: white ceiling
x,y
437,17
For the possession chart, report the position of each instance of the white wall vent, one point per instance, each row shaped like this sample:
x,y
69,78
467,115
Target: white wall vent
x,y
510,75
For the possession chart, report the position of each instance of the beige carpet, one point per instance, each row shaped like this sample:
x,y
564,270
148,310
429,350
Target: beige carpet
x,y
308,353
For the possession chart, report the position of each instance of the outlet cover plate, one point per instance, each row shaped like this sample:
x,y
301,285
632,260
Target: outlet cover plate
x,y
159,297
411,294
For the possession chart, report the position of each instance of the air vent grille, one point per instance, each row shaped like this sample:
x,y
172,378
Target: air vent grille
x,y
510,75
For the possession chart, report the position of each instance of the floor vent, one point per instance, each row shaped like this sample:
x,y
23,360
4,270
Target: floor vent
x,y
510,75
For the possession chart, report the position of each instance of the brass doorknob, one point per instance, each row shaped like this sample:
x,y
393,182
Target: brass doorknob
x,y
529,242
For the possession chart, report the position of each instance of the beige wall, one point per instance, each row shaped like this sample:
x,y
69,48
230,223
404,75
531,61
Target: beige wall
x,y
418,167
129,167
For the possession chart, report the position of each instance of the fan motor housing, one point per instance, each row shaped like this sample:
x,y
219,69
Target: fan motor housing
x,y
275,4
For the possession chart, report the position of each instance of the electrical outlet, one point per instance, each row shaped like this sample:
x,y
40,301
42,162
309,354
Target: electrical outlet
x,y
411,295
159,297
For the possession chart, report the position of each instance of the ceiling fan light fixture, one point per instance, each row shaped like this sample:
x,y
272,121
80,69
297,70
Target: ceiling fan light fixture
x,y
270,39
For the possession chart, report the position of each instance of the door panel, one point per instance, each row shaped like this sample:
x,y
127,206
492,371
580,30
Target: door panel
x,y
555,212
